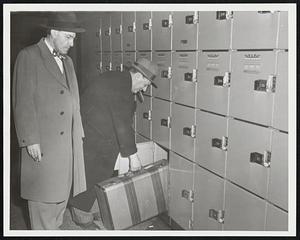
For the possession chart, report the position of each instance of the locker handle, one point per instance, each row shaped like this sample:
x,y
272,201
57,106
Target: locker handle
x,y
263,159
189,131
223,81
188,194
164,74
147,115
263,85
146,26
217,215
165,122
191,76
220,143
224,15
165,23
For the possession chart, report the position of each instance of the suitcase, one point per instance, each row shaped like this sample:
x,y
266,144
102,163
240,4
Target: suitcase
x,y
129,199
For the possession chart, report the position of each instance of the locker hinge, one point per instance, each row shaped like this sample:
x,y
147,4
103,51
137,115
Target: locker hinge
x,y
150,23
190,131
121,67
99,32
121,29
191,224
188,194
165,122
196,17
110,66
169,72
224,15
263,159
220,143
218,215
170,21
263,85
147,115
133,27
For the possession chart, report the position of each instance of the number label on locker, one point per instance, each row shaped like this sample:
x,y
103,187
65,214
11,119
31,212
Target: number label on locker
x,y
213,81
116,31
106,32
252,86
184,78
143,30
161,30
143,117
128,31
163,80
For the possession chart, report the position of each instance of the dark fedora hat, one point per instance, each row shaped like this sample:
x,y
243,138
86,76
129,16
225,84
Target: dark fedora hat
x,y
146,67
63,21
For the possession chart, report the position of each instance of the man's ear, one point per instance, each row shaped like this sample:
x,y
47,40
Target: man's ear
x,y
139,76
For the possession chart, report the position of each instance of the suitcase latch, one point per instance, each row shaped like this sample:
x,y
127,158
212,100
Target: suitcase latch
x,y
218,215
188,194
263,159
220,143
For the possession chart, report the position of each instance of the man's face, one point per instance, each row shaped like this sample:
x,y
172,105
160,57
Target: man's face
x,y
63,40
141,84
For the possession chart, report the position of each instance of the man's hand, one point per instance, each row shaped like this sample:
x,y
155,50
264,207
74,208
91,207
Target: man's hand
x,y
135,162
34,151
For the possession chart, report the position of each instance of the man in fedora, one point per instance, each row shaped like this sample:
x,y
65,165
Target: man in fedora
x,y
107,107
48,123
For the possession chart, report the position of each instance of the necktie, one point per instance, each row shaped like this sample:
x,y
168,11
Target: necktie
x,y
57,54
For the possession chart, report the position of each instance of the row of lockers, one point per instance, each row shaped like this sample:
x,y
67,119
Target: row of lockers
x,y
187,30
245,153
252,86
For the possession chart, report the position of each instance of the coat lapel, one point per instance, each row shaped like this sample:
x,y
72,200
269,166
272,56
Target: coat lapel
x,y
50,63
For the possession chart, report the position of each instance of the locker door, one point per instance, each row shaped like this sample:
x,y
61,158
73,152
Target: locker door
x,y
181,181
277,220
278,180
185,30
161,122
252,86
209,196
211,141
213,81
243,210
214,30
116,61
254,29
116,31
183,130
128,59
106,32
248,156
283,31
163,80
139,138
161,31
143,30
128,31
143,117
146,55
280,115
184,77
106,62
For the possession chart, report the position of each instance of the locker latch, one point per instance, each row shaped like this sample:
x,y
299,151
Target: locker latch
x,y
262,159
131,28
188,194
165,23
190,131
265,85
108,32
147,115
192,19
121,67
165,122
224,15
119,30
220,143
191,76
98,33
148,25
170,20
223,81
166,73
217,215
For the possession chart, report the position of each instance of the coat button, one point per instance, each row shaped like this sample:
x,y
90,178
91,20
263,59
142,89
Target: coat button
x,y
61,91
61,133
61,113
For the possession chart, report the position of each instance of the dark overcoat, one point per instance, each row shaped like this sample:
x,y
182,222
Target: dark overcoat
x,y
47,112
107,110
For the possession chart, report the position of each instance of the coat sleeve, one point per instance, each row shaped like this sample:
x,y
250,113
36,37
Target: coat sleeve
x,y
24,86
122,115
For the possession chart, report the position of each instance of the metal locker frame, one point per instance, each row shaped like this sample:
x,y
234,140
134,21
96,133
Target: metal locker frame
x,y
213,81
161,119
148,56
161,31
215,30
106,32
116,60
181,190
144,117
143,31
211,141
276,219
249,156
184,77
185,30
208,200
280,114
116,31
163,80
283,30
243,210
106,61
128,59
254,29
183,131
252,86
128,31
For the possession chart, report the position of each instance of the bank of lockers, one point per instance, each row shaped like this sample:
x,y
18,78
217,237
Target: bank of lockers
x,y
215,30
181,190
106,32
163,79
116,31
146,55
143,117
116,61
143,31
128,31
213,81
161,30
161,120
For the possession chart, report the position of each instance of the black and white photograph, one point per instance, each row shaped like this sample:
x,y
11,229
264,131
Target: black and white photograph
x,y
149,119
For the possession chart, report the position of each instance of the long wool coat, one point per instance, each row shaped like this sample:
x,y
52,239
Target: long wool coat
x,y
107,109
47,112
